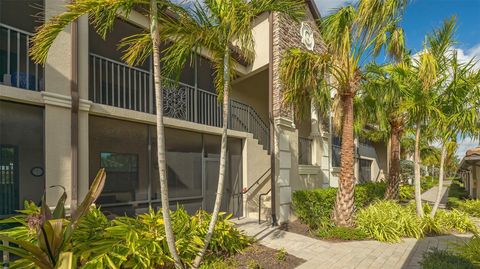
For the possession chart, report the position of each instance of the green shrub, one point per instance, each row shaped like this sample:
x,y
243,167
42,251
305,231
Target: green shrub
x,y
314,207
407,192
456,193
139,242
470,206
442,259
281,254
470,250
456,221
388,221
342,233
428,182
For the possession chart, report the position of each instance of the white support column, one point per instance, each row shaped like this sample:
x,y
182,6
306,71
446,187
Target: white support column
x,y
316,136
83,83
287,166
57,110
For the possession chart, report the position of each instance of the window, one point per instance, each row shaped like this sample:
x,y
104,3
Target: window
x,y
122,172
336,148
304,151
365,170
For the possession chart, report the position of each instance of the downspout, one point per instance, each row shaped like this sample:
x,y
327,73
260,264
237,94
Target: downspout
x,y
74,117
272,124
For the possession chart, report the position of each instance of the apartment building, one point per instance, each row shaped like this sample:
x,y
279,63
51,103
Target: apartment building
x,y
469,171
41,147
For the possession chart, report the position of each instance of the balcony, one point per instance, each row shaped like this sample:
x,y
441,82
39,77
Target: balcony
x,y
116,84
16,67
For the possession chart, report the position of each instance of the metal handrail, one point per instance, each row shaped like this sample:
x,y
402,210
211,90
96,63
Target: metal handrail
x,y
17,50
260,205
245,191
121,85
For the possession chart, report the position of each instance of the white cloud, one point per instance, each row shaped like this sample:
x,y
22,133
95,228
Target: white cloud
x,y
466,144
467,55
328,6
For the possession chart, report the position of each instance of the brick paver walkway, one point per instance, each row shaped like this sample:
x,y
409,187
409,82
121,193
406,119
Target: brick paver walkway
x,y
357,254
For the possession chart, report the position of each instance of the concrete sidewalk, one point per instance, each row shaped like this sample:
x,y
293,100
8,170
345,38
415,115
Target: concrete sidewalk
x,y
430,195
357,254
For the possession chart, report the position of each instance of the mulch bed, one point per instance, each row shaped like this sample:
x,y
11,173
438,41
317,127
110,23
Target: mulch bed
x,y
303,229
298,228
261,257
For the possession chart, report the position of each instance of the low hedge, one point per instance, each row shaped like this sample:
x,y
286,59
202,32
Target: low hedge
x,y
314,207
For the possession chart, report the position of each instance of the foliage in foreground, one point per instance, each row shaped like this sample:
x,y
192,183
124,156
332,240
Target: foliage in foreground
x,y
442,259
470,250
389,221
139,242
46,238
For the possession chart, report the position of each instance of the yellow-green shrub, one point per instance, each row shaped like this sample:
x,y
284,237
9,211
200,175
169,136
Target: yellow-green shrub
x,y
388,221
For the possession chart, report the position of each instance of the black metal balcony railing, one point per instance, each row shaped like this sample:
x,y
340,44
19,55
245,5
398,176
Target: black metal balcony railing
x,y
16,67
304,151
116,84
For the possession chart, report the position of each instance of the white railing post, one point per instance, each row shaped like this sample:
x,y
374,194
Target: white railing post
x,y
6,256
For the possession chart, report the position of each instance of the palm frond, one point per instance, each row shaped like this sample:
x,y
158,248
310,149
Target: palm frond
x,y
303,73
101,13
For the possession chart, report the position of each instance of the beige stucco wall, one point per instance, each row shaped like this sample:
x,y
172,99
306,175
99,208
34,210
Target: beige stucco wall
x,y
254,92
256,162
261,37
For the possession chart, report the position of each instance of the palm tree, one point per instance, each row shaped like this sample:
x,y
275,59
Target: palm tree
x,y
352,34
458,103
224,28
102,14
380,105
422,95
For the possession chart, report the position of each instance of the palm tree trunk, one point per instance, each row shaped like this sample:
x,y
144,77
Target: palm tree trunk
x,y
170,237
418,191
223,159
394,173
440,180
343,210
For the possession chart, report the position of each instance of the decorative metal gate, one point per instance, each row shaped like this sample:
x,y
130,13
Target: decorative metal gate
x,y
8,179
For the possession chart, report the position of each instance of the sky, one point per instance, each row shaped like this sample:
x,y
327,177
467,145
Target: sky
x,y
421,16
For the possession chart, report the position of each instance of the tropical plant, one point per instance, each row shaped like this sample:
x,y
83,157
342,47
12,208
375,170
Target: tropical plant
x,y
139,242
137,48
224,28
388,221
126,242
48,244
458,103
444,259
380,104
470,249
470,206
422,96
352,34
